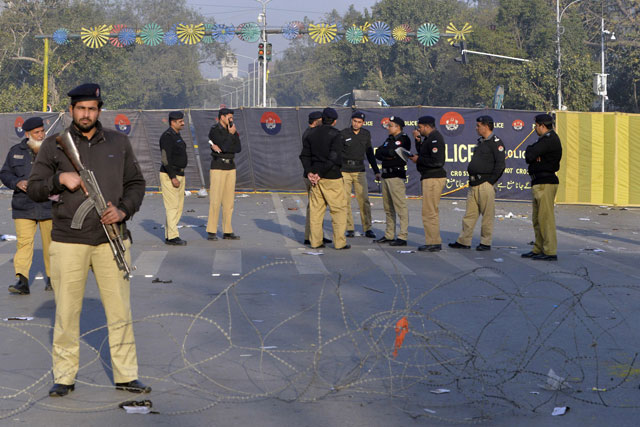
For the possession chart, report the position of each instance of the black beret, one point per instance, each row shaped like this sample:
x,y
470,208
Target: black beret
x,y
485,119
357,115
427,120
544,119
85,92
225,111
329,113
315,115
397,120
32,123
176,115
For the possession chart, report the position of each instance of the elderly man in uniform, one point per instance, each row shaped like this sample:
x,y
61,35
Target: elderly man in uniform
x,y
173,161
357,145
109,155
543,158
485,169
430,163
321,159
27,214
225,144
394,175
315,120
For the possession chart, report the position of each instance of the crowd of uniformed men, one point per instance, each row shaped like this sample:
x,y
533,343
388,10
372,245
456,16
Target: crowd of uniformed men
x,y
48,191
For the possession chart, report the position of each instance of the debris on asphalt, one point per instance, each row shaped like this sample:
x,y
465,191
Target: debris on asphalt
x,y
158,280
293,209
137,406
8,237
7,319
242,196
378,221
498,260
374,290
440,391
190,210
406,252
458,210
593,250
430,411
560,410
313,253
555,382
584,219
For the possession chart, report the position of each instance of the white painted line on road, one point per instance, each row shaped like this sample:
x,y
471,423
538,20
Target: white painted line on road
x,y
387,262
455,258
148,263
308,264
285,226
228,261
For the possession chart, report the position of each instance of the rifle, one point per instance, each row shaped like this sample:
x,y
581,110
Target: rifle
x,y
94,200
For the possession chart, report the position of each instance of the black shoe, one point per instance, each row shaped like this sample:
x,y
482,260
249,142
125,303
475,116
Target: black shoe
x,y
370,234
398,242
325,240
59,390
318,247
212,236
430,248
482,247
21,287
176,241
457,245
383,240
230,236
344,247
350,233
306,242
529,254
48,287
134,386
543,257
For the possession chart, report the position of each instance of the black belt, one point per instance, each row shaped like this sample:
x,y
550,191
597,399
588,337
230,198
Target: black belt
x,y
479,177
180,170
542,175
392,170
226,161
353,162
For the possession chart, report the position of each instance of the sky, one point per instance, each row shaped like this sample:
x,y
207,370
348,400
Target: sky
x,y
279,13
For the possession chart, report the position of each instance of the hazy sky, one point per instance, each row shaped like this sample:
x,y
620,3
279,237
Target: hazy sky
x,y
279,12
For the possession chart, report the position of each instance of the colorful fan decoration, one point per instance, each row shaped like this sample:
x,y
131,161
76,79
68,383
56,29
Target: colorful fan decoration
x,y
127,36
138,38
115,29
401,33
95,37
152,34
379,33
174,28
339,29
170,38
354,35
208,29
391,41
190,33
61,36
248,32
290,31
300,26
458,35
223,34
428,34
365,30
322,33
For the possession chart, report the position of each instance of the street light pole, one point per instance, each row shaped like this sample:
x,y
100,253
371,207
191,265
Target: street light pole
x,y
264,39
558,33
254,79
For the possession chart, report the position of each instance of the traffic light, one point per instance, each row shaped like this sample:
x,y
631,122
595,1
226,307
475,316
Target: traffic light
x,y
462,45
261,52
268,51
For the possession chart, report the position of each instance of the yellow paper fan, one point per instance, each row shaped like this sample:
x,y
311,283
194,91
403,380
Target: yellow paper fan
x,y
322,33
190,33
458,35
365,31
95,37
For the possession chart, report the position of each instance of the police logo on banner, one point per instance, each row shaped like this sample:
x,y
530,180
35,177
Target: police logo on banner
x,y
17,125
271,123
517,125
452,123
385,122
123,124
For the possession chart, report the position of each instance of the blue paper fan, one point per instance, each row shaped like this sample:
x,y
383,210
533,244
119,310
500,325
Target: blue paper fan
x,y
61,36
127,36
170,38
290,31
379,33
222,33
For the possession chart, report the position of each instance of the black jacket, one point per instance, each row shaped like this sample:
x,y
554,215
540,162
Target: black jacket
x,y
488,161
356,147
174,153
228,143
431,156
392,165
16,168
322,152
110,156
549,149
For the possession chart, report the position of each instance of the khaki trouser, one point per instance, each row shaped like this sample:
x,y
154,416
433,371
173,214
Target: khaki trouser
x,y
394,200
173,199
543,218
328,192
431,191
222,187
480,201
70,263
358,180
25,236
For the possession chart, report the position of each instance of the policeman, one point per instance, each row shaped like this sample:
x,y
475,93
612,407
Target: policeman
x,y
315,120
394,175
430,163
357,145
543,158
321,159
174,159
27,214
225,143
485,169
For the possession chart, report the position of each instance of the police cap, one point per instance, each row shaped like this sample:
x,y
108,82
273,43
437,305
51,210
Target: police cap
x,y
397,120
86,92
329,113
176,115
315,115
32,123
427,120
544,119
485,120
358,115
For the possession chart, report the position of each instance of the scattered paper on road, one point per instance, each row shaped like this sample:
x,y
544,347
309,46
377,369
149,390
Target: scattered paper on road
x,y
440,391
313,253
560,410
406,252
498,260
8,237
6,319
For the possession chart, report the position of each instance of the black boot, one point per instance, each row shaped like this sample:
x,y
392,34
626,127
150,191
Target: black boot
x,y
21,287
48,287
